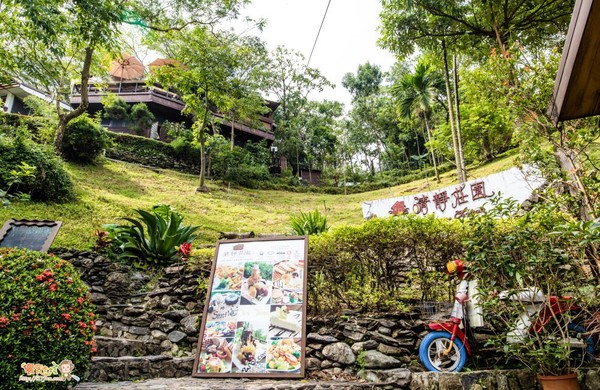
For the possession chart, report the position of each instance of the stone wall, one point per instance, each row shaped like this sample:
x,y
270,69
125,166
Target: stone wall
x,y
148,327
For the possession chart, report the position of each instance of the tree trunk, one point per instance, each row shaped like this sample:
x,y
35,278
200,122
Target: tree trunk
x,y
451,114
462,169
437,174
202,140
65,118
232,133
569,164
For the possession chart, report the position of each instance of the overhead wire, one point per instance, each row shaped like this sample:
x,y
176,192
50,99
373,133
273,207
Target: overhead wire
x,y
318,33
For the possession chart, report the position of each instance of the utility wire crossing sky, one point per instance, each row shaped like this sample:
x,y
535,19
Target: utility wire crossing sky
x,y
336,35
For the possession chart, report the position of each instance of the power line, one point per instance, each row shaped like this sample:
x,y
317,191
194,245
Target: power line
x,y
317,38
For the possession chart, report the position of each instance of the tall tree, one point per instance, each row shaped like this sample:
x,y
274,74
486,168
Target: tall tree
x,y
417,93
48,42
291,82
473,25
205,81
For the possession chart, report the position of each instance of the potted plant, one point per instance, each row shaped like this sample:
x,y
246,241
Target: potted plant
x,y
532,288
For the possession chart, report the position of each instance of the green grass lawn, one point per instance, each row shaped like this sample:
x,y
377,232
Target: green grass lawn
x,y
111,191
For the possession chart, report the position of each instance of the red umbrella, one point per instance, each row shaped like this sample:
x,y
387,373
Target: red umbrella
x,y
126,68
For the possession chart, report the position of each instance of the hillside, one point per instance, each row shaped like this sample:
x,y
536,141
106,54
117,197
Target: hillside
x,y
111,191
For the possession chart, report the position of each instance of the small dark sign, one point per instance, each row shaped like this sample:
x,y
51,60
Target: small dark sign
x,y
34,235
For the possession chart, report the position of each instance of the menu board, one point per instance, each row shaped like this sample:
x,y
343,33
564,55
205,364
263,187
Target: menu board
x,y
255,313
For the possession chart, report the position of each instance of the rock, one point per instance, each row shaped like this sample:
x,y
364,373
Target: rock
x,y
176,336
313,364
174,270
385,331
339,352
354,332
592,380
133,311
406,333
158,335
316,346
389,350
165,301
190,306
325,364
386,323
163,324
166,345
400,377
176,315
364,346
321,339
142,320
375,359
138,330
98,298
190,325
392,341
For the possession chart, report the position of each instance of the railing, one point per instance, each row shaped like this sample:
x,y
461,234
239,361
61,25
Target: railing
x,y
124,88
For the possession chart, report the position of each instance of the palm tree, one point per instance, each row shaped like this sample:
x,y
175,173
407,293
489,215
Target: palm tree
x,y
416,94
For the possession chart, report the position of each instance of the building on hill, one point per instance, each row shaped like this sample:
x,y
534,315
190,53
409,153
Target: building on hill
x,y
14,94
168,106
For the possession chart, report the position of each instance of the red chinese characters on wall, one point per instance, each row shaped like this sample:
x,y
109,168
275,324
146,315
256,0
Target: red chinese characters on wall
x,y
420,205
459,197
440,199
478,191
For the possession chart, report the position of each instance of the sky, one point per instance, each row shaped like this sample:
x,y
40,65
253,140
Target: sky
x,y
348,37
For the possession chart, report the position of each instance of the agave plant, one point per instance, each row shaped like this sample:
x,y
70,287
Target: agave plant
x,y
155,237
309,223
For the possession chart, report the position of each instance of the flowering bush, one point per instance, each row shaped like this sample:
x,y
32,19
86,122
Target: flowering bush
x,y
45,316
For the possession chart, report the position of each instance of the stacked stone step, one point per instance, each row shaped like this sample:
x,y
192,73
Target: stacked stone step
x,y
147,324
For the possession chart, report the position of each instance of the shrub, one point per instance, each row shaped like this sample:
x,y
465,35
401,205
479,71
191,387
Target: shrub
x,y
45,316
141,117
158,238
84,140
51,182
367,266
185,149
309,223
245,167
115,107
516,254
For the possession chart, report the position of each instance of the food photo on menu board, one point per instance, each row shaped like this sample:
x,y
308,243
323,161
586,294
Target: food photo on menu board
x,y
223,306
250,342
257,283
289,274
285,321
215,355
228,277
284,355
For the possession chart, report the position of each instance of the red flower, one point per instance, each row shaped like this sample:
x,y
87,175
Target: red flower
x,y
15,317
82,325
53,287
184,250
66,316
40,277
80,300
4,322
57,326
27,332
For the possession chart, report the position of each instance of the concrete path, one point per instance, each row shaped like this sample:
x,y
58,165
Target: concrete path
x,y
229,384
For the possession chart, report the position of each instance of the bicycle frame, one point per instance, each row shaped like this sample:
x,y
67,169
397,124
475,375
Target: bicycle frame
x,y
455,331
